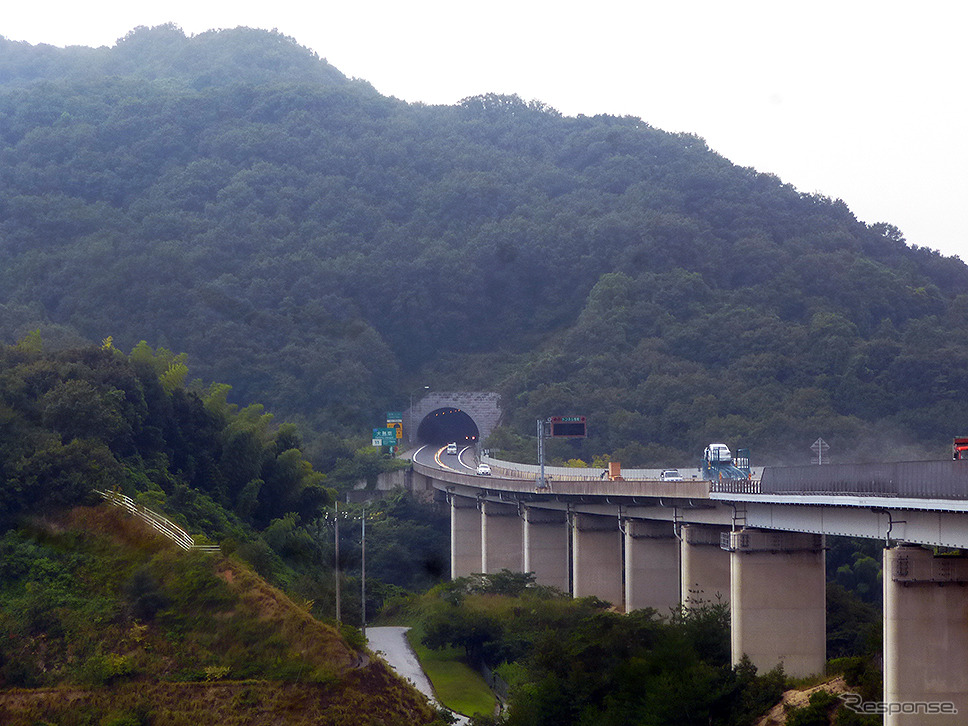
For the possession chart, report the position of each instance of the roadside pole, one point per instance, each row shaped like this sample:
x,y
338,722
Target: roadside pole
x,y
339,618
542,483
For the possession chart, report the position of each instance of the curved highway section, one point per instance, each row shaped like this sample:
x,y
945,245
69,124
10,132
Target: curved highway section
x,y
932,515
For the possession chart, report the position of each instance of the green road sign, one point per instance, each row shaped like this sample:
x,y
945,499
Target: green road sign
x,y
394,417
386,437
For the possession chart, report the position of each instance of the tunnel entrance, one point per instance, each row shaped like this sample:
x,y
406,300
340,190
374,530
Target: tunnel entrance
x,y
444,425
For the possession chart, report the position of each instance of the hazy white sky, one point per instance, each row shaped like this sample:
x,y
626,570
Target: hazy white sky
x,y
862,100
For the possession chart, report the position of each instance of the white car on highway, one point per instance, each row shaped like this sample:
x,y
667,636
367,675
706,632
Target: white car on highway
x,y
670,475
483,470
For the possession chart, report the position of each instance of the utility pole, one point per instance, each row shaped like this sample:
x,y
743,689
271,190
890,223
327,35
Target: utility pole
x,y
338,609
542,482
363,572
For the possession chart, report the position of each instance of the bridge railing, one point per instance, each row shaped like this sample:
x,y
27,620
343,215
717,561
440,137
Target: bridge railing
x,y
912,479
735,486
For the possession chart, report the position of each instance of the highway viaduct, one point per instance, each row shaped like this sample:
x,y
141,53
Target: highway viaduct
x,y
759,545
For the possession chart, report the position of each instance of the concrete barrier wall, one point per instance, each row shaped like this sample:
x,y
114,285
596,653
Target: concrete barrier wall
x,y
513,469
644,488
531,471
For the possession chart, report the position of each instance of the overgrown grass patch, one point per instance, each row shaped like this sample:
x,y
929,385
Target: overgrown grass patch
x,y
458,686
83,602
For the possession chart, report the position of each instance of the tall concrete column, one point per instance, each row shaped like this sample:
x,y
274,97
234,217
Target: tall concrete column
x,y
925,637
597,558
778,609
501,541
546,546
705,565
465,536
651,566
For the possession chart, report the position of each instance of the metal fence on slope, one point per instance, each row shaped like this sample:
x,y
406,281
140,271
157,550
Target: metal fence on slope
x,y
160,524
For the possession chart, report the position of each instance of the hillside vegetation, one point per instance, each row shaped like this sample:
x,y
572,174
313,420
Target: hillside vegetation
x,y
75,421
575,661
101,617
103,621
95,418
326,249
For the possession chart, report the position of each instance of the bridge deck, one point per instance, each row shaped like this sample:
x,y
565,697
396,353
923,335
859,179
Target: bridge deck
x,y
887,515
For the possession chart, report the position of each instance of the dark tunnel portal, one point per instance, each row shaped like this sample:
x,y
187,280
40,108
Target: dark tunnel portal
x,y
445,425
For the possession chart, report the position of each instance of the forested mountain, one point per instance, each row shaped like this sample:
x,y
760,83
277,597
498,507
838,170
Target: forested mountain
x,y
324,248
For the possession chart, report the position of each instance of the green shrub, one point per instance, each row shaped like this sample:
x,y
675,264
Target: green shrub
x,y
323,676
193,582
216,673
104,668
862,673
144,595
20,672
353,636
817,713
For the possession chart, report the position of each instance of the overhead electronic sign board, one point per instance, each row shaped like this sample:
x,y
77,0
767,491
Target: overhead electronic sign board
x,y
572,427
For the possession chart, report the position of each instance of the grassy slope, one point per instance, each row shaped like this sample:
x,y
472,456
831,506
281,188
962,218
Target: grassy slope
x,y
225,648
458,686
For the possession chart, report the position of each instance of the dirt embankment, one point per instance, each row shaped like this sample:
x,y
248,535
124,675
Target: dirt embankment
x,y
777,715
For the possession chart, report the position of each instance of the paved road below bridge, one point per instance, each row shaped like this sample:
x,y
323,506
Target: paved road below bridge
x,y
391,644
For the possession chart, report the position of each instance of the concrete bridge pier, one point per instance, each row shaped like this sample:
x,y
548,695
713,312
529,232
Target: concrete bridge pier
x,y
705,565
651,565
925,637
419,485
778,611
500,537
596,553
546,546
465,536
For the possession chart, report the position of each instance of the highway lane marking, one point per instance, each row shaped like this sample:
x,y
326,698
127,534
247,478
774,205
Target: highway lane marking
x,y
460,458
442,464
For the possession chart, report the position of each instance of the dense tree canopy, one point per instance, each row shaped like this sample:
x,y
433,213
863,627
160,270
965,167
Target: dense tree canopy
x,y
233,196
568,661
79,420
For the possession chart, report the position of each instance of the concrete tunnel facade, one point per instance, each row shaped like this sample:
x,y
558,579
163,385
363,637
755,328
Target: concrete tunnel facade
x,y
482,410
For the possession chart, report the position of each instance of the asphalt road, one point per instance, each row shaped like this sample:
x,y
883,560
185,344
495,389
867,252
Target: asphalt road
x,y
462,462
391,644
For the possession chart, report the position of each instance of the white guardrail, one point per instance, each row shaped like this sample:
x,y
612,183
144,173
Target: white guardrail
x,y
162,525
